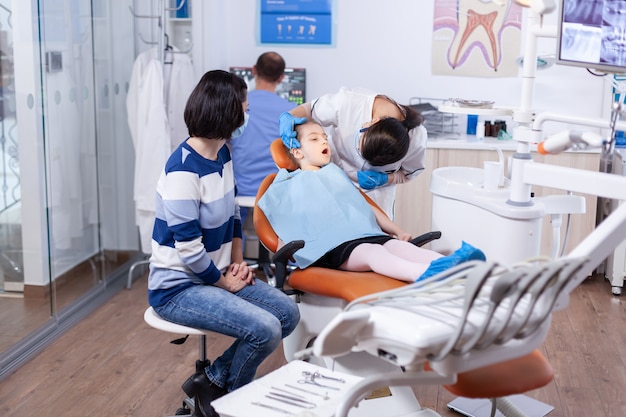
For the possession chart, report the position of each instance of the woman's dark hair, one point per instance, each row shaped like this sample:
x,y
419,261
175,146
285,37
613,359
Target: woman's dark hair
x,y
387,141
215,106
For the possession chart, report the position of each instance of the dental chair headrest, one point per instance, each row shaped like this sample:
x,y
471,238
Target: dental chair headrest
x,y
280,155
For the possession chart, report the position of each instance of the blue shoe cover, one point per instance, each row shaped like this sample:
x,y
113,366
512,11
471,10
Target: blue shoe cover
x,y
465,253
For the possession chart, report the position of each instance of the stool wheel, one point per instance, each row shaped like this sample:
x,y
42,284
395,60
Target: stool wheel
x,y
183,411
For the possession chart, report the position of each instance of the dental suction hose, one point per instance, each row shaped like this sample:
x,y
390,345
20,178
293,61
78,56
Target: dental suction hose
x,y
569,139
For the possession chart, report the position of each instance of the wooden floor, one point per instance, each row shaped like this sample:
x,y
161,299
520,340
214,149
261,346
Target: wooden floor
x,y
20,316
113,364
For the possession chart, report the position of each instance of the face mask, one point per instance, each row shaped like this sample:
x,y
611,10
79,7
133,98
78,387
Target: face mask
x,y
239,131
357,139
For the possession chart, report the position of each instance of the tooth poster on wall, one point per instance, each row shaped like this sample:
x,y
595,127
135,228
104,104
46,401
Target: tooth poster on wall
x,y
476,38
296,21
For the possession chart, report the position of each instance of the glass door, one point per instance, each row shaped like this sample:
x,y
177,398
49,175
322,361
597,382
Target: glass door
x,y
11,262
67,225
70,137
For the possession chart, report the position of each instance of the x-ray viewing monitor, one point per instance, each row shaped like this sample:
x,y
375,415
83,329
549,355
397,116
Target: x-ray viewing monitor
x,y
592,34
292,88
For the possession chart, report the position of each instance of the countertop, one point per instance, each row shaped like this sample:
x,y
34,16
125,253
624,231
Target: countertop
x,y
471,142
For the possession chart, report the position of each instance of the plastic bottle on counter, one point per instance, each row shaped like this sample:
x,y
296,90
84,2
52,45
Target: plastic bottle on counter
x,y
480,129
472,120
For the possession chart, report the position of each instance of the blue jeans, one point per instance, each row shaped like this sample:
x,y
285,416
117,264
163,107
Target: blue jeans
x,y
258,317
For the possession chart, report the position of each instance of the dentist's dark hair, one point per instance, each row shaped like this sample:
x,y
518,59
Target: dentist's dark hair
x,y
387,141
270,66
215,106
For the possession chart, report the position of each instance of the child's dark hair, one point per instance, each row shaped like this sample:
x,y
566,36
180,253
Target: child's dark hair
x,y
387,141
215,106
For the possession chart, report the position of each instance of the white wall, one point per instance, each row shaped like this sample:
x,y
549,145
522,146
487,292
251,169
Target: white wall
x,y
384,46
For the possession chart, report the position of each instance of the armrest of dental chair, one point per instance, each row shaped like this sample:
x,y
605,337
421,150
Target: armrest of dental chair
x,y
281,261
268,238
424,238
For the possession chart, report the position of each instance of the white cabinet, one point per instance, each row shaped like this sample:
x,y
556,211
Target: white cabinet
x,y
179,25
413,209
615,269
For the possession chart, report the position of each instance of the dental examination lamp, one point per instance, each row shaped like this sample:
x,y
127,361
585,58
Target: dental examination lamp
x,y
570,139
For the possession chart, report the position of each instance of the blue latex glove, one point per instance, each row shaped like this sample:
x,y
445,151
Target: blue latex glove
x,y
368,180
286,122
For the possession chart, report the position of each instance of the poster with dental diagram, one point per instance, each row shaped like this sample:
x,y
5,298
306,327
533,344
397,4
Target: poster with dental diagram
x,y
476,38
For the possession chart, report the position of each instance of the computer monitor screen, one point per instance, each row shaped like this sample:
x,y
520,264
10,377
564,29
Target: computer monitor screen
x,y
592,34
292,88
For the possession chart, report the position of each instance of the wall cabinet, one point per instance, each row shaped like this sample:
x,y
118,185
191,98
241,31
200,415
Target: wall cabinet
x,y
179,28
413,209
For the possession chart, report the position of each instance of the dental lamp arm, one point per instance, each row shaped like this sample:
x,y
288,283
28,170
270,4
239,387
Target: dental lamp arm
x,y
544,117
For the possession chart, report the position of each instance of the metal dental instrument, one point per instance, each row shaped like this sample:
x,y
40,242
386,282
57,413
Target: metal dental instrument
x,y
269,407
291,397
289,392
280,397
317,374
324,396
312,381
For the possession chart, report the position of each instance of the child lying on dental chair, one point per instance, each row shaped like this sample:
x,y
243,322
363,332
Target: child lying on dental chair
x,y
319,204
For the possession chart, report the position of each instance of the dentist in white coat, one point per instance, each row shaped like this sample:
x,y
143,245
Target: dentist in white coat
x,y
376,141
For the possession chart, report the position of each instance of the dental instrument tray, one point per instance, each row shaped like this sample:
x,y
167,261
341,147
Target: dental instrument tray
x,y
437,123
297,388
464,318
476,104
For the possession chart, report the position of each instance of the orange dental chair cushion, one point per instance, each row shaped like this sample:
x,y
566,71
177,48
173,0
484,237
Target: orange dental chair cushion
x,y
514,376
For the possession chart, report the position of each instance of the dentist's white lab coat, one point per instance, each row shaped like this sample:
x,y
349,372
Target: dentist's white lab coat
x,y
179,82
342,114
156,101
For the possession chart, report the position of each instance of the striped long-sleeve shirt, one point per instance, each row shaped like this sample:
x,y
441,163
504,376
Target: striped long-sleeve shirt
x,y
197,218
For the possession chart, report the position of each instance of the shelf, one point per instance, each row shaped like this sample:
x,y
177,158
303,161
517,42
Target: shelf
x,y
495,111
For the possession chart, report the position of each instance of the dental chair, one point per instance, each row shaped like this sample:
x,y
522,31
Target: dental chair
x,y
323,295
475,329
